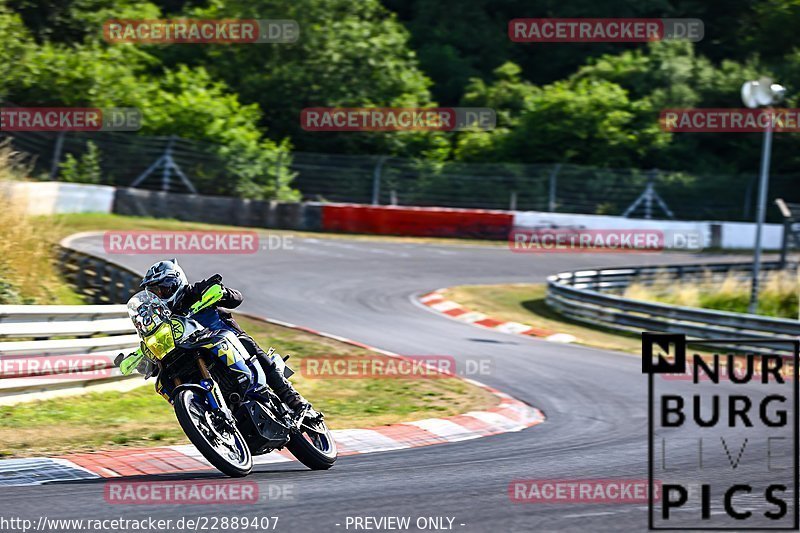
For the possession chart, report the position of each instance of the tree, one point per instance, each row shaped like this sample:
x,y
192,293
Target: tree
x,y
15,40
182,101
348,55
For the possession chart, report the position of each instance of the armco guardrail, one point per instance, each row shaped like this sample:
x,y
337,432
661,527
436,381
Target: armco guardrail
x,y
50,347
45,348
589,296
101,281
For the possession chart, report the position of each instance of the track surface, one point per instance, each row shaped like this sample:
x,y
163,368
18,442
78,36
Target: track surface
x,y
595,401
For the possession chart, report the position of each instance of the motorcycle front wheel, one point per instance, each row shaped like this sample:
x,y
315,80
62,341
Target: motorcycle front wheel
x,y
219,440
314,446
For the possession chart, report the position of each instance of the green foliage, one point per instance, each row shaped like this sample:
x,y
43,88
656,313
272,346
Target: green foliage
x,y
183,101
9,294
14,41
581,120
83,170
349,54
586,104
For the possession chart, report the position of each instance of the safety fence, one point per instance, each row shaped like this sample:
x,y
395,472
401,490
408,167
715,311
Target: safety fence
x,y
47,348
124,160
596,297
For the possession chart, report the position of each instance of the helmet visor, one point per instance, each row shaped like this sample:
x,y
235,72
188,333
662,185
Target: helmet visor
x,y
165,289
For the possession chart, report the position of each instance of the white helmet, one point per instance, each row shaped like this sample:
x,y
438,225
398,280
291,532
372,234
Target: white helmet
x,y
165,279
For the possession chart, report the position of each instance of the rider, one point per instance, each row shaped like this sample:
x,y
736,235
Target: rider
x,y
167,280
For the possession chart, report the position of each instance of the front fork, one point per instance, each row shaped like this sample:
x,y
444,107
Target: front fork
x,y
213,393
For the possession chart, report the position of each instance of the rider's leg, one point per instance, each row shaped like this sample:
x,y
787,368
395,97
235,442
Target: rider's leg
x,y
281,386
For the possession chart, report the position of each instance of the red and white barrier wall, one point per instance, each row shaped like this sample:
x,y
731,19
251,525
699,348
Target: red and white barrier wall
x,y
54,197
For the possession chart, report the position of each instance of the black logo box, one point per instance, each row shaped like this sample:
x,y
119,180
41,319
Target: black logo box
x,y
674,344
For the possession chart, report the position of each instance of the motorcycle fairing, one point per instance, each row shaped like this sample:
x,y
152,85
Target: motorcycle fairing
x,y
225,346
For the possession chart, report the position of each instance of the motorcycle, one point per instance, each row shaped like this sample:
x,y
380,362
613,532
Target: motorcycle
x,y
219,391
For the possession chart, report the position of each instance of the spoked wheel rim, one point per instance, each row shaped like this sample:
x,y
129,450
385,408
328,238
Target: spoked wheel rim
x,y
320,437
217,433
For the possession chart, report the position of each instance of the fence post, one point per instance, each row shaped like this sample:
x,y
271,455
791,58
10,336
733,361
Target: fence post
x,y
648,202
278,161
57,155
165,174
513,201
787,228
551,204
376,180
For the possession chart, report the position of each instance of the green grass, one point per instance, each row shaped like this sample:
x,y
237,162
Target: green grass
x,y
778,295
143,418
525,303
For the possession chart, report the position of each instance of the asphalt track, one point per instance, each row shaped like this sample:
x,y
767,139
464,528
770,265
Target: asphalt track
x,y
594,400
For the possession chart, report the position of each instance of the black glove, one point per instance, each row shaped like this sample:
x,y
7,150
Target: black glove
x,y
213,280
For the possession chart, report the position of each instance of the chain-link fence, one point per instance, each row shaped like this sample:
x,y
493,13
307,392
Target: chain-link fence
x,y
126,160
539,187
152,162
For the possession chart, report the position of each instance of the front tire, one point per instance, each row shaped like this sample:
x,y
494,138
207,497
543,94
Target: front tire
x,y
315,449
229,453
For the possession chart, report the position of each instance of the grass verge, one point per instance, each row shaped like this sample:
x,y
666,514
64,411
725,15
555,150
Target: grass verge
x,y
778,296
525,303
143,418
27,271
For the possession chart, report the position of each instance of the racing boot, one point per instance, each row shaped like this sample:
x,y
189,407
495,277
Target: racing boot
x,y
284,390
281,386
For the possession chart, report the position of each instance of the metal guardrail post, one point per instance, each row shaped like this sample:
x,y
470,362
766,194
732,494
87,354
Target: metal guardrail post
x,y
80,279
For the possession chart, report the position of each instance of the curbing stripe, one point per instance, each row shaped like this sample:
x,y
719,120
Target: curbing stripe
x,y
367,441
456,311
496,421
450,431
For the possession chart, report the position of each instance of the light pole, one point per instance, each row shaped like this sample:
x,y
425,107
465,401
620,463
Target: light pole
x,y
754,94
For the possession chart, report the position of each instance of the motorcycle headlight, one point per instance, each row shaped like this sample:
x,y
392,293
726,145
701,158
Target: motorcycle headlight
x,y
160,343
